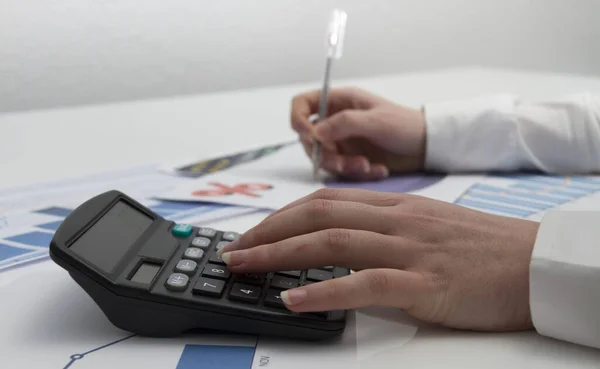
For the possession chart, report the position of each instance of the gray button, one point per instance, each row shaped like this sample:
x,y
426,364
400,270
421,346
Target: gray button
x,y
230,236
222,244
201,242
186,266
193,253
207,232
177,282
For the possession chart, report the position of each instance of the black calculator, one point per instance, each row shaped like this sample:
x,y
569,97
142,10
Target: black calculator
x,y
154,277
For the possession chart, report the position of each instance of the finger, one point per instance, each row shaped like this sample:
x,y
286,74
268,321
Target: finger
x,y
353,167
343,247
382,287
307,142
338,99
346,194
303,106
351,123
374,198
317,215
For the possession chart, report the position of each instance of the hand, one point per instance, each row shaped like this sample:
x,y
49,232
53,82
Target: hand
x,y
364,136
439,262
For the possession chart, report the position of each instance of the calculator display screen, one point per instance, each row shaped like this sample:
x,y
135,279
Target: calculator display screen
x,y
109,239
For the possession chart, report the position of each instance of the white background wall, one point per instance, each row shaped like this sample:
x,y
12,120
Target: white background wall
x,y
65,52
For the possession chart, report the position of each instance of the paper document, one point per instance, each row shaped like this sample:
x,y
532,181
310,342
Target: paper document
x,y
284,176
30,215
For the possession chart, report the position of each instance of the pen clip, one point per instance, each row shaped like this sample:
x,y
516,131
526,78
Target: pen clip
x,y
336,33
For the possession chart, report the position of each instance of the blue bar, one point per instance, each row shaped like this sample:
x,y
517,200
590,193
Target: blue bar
x,y
563,183
7,251
545,190
527,195
174,206
55,210
35,238
216,357
495,208
594,181
508,200
163,213
51,226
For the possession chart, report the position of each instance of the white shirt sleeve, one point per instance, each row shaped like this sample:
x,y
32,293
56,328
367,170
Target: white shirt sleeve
x,y
565,277
503,133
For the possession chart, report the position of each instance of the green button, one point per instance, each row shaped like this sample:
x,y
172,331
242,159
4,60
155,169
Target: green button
x,y
182,230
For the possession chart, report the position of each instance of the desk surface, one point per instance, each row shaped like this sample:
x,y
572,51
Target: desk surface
x,y
46,145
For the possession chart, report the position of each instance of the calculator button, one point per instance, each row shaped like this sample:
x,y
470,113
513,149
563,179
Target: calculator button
x,y
283,282
177,282
186,267
251,278
216,271
318,275
209,287
274,299
202,242
207,232
222,244
291,273
216,259
193,253
182,230
230,236
245,293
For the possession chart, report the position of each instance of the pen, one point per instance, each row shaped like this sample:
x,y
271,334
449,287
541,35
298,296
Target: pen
x,y
335,39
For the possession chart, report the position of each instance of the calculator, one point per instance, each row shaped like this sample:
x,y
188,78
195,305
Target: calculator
x,y
155,277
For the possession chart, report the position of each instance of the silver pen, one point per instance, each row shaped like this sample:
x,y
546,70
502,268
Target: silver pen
x,y
335,41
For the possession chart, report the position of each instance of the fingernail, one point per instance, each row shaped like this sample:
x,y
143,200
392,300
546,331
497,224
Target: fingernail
x,y
339,166
293,297
234,257
226,257
366,167
232,246
382,172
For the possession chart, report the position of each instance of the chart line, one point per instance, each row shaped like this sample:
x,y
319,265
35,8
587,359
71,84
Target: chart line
x,y
76,357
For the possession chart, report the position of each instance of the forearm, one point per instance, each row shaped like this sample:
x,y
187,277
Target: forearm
x,y
502,133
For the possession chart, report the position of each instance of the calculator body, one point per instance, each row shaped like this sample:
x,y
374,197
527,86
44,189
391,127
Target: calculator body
x,y
153,277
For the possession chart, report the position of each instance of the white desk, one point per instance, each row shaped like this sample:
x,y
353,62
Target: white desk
x,y
44,145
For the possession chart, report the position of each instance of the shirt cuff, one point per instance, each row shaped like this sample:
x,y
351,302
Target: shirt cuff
x,y
459,132
565,277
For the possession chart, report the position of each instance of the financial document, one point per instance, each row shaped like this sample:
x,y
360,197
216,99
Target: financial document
x,y
48,321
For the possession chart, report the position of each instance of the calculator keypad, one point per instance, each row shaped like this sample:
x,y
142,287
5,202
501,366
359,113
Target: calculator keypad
x,y
209,287
200,267
273,299
245,293
216,271
318,275
283,283
193,253
207,232
186,267
230,236
222,244
177,282
202,242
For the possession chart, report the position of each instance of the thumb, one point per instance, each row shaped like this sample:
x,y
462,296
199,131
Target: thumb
x,y
349,123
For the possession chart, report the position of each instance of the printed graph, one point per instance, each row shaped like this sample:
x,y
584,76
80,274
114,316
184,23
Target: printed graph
x,y
526,195
32,245
193,356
